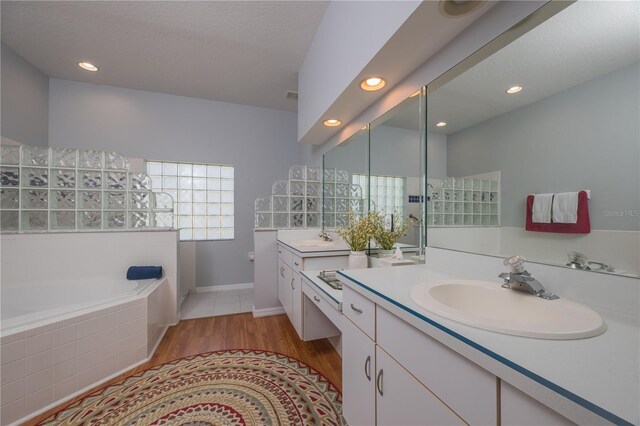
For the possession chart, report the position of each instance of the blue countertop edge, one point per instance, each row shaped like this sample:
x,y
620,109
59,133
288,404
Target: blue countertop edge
x,y
310,279
550,385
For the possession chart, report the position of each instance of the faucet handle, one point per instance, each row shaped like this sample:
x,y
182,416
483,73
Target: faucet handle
x,y
516,263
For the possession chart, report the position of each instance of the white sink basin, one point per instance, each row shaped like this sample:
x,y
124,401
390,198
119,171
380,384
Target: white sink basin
x,y
488,306
313,243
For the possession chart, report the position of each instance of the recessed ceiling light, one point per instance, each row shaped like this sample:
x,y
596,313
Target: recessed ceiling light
x,y
332,122
441,124
88,66
514,89
372,84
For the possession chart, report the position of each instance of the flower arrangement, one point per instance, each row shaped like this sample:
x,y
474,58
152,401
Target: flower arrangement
x,y
359,232
386,238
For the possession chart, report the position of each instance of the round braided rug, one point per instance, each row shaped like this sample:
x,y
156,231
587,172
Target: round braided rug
x,y
221,388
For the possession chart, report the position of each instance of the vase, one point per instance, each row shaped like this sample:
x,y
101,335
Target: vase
x,y
358,260
385,253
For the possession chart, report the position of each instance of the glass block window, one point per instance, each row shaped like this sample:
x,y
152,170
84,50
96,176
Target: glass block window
x,y
203,197
387,193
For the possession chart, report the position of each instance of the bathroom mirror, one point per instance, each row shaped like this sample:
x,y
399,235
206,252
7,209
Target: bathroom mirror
x,y
397,161
571,124
342,187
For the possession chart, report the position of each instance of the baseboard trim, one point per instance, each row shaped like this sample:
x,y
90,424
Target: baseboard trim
x,y
267,312
226,287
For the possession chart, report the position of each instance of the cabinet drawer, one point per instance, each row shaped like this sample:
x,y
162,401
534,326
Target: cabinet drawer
x,y
360,310
468,389
296,263
285,255
327,309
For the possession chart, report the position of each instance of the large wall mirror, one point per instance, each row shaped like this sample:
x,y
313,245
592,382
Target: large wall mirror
x,y
555,111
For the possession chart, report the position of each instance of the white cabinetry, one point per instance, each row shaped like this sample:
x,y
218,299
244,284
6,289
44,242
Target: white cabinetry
x,y
522,410
358,372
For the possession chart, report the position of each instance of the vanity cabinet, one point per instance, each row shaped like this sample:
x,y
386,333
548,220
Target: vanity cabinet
x,y
290,293
522,410
393,374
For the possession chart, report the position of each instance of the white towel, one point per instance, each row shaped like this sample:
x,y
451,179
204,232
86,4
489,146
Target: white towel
x,y
541,212
565,207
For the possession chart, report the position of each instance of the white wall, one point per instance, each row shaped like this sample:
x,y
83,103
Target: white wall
x,y
348,37
261,143
25,100
72,256
494,22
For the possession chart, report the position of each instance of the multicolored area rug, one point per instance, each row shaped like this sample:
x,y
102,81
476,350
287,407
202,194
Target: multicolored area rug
x,y
220,388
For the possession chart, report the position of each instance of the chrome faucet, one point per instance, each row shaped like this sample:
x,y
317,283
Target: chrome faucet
x,y
602,266
521,280
324,235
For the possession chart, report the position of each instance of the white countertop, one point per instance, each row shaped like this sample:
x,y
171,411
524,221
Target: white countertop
x,y
598,374
332,295
338,249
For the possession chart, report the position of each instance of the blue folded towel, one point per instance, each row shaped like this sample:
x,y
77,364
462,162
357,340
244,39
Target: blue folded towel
x,y
144,272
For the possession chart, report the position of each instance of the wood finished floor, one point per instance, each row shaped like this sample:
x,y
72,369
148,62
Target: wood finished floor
x,y
240,331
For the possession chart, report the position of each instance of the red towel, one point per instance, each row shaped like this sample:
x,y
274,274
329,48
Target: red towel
x,y
583,225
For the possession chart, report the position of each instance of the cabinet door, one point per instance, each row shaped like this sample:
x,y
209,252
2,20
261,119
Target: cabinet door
x,y
358,367
402,400
520,409
296,309
285,287
281,281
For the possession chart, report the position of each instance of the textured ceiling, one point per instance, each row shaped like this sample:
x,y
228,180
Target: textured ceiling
x,y
246,52
584,41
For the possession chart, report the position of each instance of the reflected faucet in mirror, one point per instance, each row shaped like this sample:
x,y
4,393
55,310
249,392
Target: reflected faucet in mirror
x,y
521,280
581,261
324,235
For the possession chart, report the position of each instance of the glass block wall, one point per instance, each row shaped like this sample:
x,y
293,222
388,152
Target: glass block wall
x,y
62,189
298,202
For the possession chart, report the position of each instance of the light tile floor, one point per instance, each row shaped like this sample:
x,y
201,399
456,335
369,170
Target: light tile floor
x,y
215,303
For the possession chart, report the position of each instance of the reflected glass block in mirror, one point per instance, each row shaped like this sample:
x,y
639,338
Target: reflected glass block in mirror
x,y
263,220
35,198
356,191
357,206
298,173
342,204
263,204
139,200
91,179
90,220
90,200
35,177
297,220
9,220
139,220
297,204
9,176
329,189
116,220
329,175
280,204
342,190
280,187
281,220
115,200
116,180
35,156
115,161
63,199
164,201
35,220
9,198
329,205
63,157
61,178
10,155
314,174
163,219
141,181
90,159
329,220
63,220
342,220
296,188
342,176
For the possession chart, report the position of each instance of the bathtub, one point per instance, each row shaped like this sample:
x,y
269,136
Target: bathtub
x,y
59,339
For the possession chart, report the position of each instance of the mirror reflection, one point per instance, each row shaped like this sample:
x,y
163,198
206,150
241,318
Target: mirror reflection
x,y
539,145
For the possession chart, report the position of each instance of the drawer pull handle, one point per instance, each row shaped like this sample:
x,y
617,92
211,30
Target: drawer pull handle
x,y
358,310
282,271
316,298
279,252
292,287
296,263
379,382
367,368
